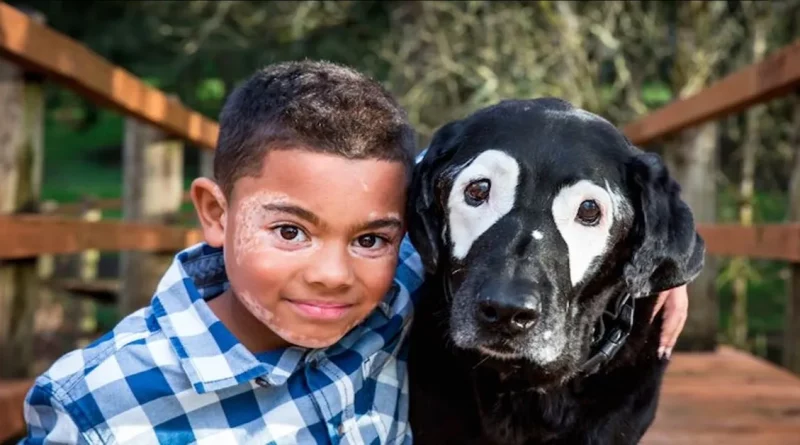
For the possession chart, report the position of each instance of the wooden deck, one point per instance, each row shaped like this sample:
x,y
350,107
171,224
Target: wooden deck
x,y
724,398
12,396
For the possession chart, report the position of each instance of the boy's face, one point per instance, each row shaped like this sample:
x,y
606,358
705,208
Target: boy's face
x,y
311,244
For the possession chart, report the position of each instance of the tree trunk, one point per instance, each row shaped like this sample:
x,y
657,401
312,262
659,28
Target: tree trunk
x,y
692,160
791,342
750,146
693,155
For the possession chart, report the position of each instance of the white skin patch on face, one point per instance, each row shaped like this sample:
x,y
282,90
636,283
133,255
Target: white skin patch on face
x,y
622,208
584,243
376,215
467,222
537,235
275,324
250,214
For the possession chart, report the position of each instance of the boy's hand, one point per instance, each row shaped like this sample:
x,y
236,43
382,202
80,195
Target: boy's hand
x,y
675,302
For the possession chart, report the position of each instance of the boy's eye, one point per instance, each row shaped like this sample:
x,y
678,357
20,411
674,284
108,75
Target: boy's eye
x,y
288,232
291,233
368,241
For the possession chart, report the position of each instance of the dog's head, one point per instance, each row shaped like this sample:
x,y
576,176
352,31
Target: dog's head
x,y
536,213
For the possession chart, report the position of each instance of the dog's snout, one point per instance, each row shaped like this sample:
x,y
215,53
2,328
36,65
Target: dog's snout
x,y
509,317
510,307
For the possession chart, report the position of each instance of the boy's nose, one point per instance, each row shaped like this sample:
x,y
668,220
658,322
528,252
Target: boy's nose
x,y
330,268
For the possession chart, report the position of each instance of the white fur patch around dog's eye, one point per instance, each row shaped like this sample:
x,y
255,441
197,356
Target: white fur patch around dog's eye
x,y
467,223
584,243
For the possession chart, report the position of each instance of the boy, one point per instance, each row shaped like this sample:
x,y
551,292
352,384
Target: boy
x,y
287,325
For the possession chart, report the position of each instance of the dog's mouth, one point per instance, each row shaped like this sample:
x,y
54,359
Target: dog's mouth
x,y
500,350
511,363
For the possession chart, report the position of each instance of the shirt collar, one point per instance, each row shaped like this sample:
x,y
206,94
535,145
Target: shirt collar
x,y
209,353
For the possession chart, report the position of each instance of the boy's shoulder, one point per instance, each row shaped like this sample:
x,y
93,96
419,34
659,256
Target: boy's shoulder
x,y
150,358
98,384
172,357
117,345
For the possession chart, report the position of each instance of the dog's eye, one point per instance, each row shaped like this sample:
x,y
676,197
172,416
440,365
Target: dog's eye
x,y
477,192
588,213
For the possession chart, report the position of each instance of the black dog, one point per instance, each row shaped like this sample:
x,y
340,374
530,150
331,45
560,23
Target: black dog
x,y
540,227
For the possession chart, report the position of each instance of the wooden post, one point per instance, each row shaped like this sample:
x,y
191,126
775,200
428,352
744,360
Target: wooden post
x,y
207,171
152,192
21,159
207,163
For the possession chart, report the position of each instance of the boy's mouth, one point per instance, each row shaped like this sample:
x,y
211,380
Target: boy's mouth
x,y
320,310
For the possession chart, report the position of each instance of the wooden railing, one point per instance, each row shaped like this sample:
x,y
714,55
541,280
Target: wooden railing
x,y
157,127
38,48
24,238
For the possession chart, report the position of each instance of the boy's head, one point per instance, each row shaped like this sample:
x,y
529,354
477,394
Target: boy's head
x,y
311,170
315,106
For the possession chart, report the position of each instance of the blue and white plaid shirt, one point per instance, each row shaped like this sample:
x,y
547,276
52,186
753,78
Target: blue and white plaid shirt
x,y
172,373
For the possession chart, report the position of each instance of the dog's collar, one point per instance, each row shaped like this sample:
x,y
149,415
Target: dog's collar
x,y
611,331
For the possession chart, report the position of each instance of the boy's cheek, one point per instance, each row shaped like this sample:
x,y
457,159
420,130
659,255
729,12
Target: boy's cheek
x,y
247,240
257,271
378,278
248,234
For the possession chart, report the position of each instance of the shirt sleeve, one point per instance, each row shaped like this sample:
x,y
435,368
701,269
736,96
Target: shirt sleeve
x,y
47,420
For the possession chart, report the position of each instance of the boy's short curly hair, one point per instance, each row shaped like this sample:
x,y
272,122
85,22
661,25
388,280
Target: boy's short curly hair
x,y
314,105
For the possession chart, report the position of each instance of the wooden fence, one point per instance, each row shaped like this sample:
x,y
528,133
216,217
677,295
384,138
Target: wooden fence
x,y
158,126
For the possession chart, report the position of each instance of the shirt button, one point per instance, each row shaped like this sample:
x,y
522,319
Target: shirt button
x,y
262,382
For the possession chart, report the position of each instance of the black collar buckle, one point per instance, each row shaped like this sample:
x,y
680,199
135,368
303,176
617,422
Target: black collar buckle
x,y
611,331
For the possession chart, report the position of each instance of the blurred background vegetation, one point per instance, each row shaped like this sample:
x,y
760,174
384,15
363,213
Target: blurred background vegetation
x,y
443,60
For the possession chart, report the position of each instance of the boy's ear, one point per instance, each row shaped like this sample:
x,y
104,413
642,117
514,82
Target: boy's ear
x,y
211,207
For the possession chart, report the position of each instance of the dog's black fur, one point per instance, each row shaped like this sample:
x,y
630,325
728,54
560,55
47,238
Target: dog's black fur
x,y
460,396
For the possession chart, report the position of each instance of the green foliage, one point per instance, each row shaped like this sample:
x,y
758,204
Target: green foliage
x,y
211,90
70,169
656,94
766,280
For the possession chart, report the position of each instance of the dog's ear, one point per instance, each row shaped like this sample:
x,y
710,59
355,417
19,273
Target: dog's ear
x,y
426,217
668,251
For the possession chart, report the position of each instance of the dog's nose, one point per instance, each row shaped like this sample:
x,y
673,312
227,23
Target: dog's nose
x,y
513,318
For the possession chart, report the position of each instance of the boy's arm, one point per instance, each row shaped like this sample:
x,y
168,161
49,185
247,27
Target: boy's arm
x,y
47,420
675,303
